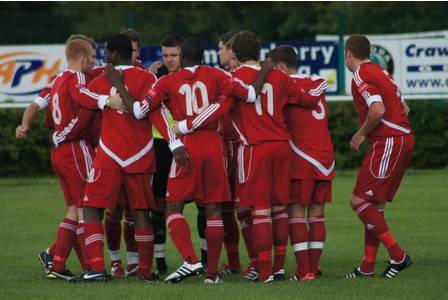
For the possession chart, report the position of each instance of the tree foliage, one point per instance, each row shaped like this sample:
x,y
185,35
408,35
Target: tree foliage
x,y
52,22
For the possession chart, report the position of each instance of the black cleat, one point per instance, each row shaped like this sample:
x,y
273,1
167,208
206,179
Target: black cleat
x,y
279,275
393,269
154,278
356,273
65,275
46,260
91,276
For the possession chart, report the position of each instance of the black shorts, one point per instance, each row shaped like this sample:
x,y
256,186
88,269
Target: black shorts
x,y
163,162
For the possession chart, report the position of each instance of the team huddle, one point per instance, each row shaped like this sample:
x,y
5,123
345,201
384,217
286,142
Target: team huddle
x,y
249,142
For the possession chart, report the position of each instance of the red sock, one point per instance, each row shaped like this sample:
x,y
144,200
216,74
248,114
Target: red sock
x,y
214,233
262,239
316,241
80,247
94,233
144,238
280,228
299,240
180,234
64,241
113,233
375,222
51,249
370,250
131,245
245,217
231,238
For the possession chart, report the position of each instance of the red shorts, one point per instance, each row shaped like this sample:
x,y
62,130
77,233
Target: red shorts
x,y
383,168
104,186
72,163
263,175
205,178
308,191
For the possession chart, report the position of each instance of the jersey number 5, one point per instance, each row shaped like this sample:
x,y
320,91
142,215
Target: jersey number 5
x,y
190,97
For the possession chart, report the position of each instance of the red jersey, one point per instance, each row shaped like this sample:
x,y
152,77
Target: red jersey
x,y
64,108
310,137
264,120
125,141
370,84
197,90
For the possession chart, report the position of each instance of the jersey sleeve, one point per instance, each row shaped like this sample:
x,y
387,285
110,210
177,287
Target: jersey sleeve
x,y
76,126
84,96
366,87
156,95
141,107
210,115
160,121
235,87
43,98
307,96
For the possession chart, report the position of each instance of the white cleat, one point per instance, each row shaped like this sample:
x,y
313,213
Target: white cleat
x,y
184,271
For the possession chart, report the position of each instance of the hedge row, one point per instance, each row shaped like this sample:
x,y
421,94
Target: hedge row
x,y
429,120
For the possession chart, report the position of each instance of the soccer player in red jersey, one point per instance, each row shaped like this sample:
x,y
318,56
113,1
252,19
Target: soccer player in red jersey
x,y
196,89
313,166
263,155
383,117
112,222
231,231
70,158
124,160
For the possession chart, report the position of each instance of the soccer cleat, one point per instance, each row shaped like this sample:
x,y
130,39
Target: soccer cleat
x,y
269,279
131,270
116,271
184,271
250,273
227,270
154,278
65,274
393,269
91,276
356,273
46,260
279,275
216,280
307,277
162,268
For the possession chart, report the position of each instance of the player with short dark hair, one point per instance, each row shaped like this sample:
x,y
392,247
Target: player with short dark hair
x,y
313,166
382,115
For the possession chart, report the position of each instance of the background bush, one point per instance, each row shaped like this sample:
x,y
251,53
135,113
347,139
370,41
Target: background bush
x,y
429,120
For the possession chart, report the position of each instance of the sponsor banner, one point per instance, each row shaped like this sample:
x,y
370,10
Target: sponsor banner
x,y
424,66
419,66
25,70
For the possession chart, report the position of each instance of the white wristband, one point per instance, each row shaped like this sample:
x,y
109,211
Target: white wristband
x,y
176,144
182,125
102,101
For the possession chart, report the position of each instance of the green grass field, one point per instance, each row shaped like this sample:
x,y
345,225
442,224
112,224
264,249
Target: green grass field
x,y
31,208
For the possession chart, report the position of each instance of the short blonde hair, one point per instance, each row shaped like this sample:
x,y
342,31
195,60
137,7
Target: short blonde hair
x,y
82,37
77,47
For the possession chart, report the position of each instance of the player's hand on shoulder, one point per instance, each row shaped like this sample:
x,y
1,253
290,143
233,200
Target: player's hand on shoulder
x,y
114,76
154,66
267,64
22,132
116,103
357,140
181,156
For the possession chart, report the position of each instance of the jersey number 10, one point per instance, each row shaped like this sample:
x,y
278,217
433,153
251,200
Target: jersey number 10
x,y
190,97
